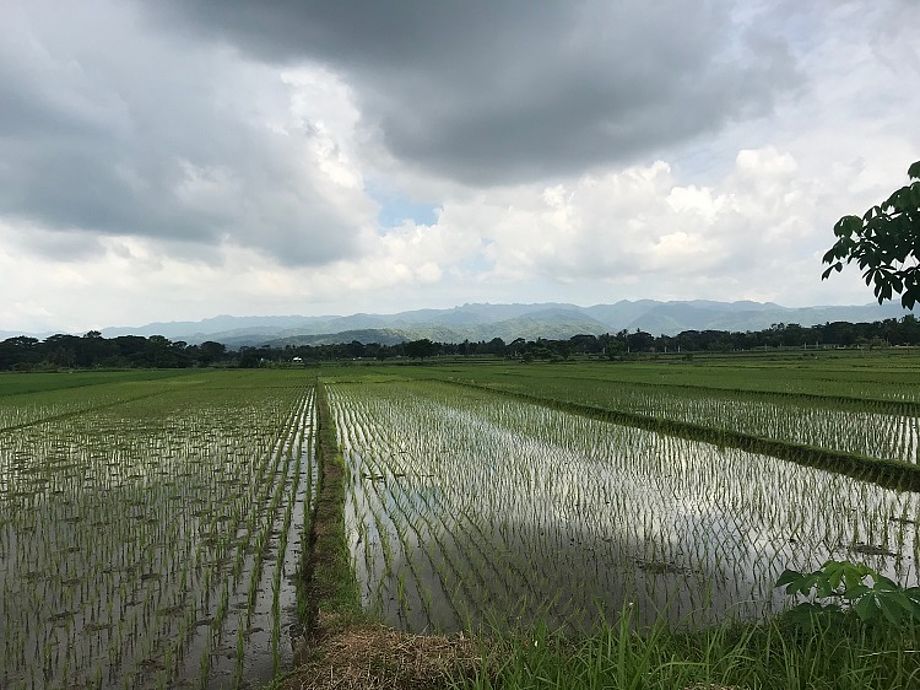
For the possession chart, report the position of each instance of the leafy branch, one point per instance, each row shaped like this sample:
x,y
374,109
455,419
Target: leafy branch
x,y
851,587
885,243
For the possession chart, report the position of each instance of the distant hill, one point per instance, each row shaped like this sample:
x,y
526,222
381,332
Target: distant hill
x,y
506,321
369,335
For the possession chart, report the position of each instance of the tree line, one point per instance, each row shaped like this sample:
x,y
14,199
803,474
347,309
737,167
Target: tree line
x,y
93,351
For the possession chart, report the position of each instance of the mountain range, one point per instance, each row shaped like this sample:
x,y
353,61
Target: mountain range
x,y
507,321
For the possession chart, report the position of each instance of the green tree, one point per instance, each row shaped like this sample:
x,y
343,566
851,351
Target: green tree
x,y
210,352
640,341
421,348
885,243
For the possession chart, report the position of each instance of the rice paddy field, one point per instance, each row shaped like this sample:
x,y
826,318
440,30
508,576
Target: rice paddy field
x,y
466,509
151,528
154,526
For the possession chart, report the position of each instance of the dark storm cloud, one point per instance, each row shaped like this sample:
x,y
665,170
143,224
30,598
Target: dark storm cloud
x,y
159,119
108,127
489,92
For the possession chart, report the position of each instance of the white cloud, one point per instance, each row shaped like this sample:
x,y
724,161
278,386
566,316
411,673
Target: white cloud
x,y
220,183
111,128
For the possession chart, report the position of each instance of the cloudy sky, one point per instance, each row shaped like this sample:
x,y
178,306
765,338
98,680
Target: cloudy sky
x,y
176,159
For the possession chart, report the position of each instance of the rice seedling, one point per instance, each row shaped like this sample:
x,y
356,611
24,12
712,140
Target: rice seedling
x,y
878,429
493,511
150,530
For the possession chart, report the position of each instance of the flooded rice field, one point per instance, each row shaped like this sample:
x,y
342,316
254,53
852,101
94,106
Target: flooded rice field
x,y
465,509
879,429
153,534
154,544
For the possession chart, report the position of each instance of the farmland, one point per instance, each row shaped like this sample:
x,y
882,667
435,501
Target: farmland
x,y
150,529
458,497
155,528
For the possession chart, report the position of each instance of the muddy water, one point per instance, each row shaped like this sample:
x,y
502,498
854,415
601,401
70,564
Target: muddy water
x,y
465,510
257,637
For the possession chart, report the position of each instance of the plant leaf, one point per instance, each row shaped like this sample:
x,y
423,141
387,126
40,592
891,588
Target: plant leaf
x,y
867,609
890,609
788,577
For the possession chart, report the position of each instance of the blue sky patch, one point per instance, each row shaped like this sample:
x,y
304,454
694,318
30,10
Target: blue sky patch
x,y
395,208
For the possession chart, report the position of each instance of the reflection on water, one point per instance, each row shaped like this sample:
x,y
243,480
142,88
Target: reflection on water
x,y
464,509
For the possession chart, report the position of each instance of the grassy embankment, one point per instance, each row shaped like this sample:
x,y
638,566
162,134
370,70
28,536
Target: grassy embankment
x,y
770,655
330,584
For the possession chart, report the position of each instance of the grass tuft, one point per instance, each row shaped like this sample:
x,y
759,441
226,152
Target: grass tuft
x,y
770,655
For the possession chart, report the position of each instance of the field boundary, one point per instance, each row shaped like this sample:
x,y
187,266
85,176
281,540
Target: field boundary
x,y
81,411
170,374
889,474
328,581
905,408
